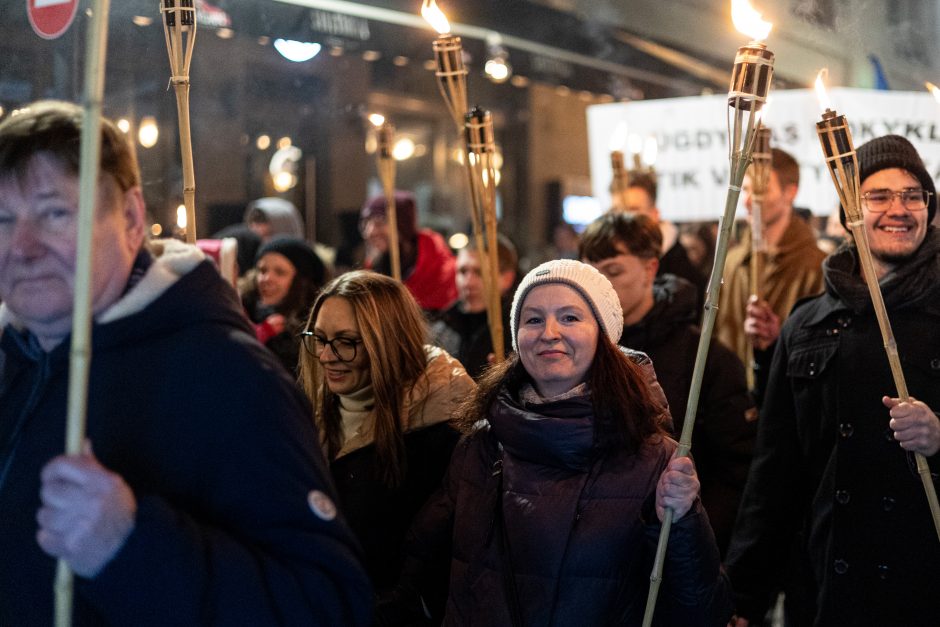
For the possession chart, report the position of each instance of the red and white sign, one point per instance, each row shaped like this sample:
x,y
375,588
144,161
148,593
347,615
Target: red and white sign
x,y
51,18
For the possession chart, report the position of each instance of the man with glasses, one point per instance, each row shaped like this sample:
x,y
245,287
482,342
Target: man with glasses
x,y
833,473
201,496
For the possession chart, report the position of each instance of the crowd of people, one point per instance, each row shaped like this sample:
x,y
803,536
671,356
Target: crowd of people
x,y
270,444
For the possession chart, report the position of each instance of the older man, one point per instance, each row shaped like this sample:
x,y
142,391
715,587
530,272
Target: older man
x,y
833,472
201,496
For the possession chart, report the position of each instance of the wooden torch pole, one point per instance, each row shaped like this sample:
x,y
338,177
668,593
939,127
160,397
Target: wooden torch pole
x,y
750,84
481,148
760,175
386,167
80,350
179,29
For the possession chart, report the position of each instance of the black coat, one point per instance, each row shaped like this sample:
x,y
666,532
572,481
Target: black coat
x,y
233,526
581,529
725,430
828,476
466,336
381,515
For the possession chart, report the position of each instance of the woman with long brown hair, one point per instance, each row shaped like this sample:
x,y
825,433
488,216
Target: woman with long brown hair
x,y
552,503
383,401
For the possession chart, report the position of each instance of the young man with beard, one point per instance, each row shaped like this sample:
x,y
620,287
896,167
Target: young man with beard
x,y
833,480
792,270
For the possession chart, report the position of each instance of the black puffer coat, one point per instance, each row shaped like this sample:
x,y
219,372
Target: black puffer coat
x,y
725,429
828,475
581,527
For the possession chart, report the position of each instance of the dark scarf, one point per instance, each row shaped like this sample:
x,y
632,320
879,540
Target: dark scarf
x,y
557,433
909,284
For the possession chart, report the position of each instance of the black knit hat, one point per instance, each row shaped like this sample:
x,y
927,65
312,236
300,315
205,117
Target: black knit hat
x,y
307,263
894,151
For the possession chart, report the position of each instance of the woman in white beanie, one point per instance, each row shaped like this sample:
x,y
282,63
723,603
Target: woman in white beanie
x,y
552,504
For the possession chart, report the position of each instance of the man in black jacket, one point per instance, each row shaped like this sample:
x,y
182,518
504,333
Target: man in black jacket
x,y
833,483
201,496
659,316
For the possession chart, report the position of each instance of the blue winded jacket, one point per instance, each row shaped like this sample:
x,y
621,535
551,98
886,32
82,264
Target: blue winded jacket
x,y
220,451
581,527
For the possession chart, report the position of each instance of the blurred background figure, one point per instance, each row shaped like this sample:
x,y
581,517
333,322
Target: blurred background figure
x,y
564,242
464,330
271,217
248,244
278,293
383,401
427,264
640,197
792,270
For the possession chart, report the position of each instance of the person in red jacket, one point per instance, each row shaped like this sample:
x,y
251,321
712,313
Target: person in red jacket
x,y
428,267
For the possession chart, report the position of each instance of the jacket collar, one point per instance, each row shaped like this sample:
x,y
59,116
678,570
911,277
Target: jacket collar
x,y
557,433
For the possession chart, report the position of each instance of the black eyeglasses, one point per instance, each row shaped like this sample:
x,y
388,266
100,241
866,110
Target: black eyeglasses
x,y
879,200
343,347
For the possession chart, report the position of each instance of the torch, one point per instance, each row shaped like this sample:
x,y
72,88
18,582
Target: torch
x,y
839,151
80,349
760,174
448,52
619,184
179,29
750,84
481,172
385,134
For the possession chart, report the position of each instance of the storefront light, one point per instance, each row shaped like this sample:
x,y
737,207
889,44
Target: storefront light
x,y
296,51
148,132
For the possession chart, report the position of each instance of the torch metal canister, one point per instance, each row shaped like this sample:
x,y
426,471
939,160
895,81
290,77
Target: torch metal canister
x,y
836,140
451,75
481,170
180,34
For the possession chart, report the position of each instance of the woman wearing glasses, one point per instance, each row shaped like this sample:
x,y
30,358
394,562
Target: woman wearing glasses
x,y
383,401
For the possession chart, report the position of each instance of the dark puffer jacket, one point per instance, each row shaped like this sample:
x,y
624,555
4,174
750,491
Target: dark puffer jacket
x,y
725,429
828,476
582,529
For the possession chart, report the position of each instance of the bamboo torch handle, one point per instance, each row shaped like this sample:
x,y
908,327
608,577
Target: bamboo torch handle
x,y
738,165
391,213
891,348
80,350
493,301
181,87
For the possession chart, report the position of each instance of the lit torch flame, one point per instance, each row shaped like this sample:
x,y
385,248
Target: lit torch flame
x,y
934,90
376,119
748,20
821,94
435,17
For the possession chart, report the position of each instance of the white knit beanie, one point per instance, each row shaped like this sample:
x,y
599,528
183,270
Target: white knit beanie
x,y
584,279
